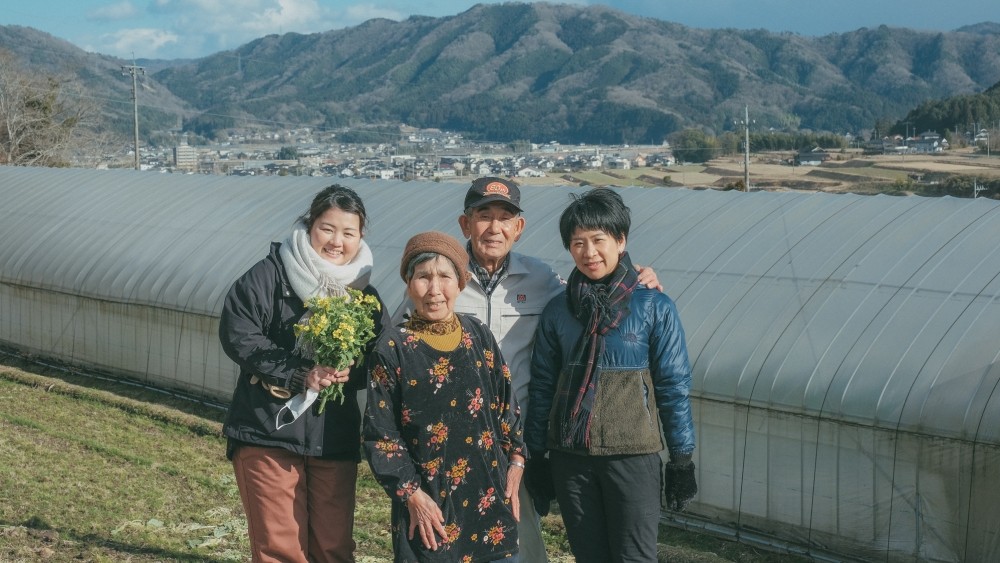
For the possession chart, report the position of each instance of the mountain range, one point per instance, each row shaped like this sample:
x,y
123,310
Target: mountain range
x,y
541,72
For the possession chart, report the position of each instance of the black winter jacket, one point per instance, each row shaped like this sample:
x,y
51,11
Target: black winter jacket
x,y
256,333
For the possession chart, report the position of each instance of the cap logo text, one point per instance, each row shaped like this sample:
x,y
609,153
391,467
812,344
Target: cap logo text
x,y
497,188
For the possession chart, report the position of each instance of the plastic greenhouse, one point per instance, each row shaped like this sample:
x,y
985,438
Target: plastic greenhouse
x,y
845,387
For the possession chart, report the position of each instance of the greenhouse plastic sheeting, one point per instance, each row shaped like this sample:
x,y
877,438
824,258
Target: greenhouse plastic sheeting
x,y
845,370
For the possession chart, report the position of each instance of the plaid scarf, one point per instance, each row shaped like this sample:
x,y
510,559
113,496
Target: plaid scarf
x,y
600,307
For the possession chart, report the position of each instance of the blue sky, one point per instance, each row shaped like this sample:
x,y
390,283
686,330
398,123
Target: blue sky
x,y
172,29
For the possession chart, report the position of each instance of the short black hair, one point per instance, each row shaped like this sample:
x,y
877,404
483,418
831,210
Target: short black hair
x,y
600,209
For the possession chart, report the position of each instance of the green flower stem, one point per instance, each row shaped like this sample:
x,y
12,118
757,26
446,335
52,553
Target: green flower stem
x,y
335,391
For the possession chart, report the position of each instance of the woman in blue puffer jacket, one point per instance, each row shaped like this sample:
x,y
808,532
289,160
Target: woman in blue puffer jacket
x,y
609,369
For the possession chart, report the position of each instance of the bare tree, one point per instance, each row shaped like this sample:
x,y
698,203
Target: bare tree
x,y
45,121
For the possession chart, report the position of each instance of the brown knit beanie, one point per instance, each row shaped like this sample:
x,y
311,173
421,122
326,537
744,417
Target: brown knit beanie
x,y
438,243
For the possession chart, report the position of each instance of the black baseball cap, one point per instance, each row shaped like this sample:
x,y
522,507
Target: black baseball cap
x,y
487,190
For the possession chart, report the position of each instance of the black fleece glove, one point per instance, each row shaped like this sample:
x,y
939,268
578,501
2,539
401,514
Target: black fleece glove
x,y
538,483
679,485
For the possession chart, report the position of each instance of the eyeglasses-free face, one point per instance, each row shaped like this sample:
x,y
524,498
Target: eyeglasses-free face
x,y
433,289
596,253
336,236
492,231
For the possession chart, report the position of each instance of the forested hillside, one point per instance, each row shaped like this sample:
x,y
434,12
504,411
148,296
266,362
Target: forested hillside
x,y
555,72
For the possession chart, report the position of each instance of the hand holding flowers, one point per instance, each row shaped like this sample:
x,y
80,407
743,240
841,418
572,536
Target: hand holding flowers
x,y
320,377
335,333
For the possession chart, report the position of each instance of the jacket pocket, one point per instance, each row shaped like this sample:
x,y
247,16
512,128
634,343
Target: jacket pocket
x,y
625,417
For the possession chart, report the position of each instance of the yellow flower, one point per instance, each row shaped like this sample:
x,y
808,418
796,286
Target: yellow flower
x,y
319,324
339,347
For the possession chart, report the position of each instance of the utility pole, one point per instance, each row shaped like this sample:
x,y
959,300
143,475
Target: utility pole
x,y
746,148
134,71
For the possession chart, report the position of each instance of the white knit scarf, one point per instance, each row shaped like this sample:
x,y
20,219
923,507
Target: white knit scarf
x,y
312,276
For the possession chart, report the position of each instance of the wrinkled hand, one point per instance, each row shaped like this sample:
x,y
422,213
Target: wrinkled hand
x,y
427,519
538,482
514,475
679,484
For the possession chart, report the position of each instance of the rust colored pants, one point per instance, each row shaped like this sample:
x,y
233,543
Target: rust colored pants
x,y
299,508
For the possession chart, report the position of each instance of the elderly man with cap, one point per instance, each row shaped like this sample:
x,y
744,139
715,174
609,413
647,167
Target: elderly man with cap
x,y
508,291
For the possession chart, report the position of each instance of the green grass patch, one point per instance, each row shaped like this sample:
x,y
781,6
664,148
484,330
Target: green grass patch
x,y
96,471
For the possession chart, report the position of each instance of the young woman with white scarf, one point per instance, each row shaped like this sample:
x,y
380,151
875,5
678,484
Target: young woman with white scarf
x,y
296,471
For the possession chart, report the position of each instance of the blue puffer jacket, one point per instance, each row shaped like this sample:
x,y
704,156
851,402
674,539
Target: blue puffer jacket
x,y
645,372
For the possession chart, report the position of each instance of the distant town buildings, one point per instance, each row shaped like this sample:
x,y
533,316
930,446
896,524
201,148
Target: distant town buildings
x,y
928,142
424,154
435,154
185,157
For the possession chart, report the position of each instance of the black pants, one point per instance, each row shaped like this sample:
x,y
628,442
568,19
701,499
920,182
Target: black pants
x,y
610,505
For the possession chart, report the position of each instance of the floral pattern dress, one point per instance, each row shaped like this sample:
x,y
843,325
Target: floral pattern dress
x,y
446,422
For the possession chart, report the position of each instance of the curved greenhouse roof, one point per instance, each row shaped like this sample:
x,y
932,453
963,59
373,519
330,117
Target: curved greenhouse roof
x,y
854,311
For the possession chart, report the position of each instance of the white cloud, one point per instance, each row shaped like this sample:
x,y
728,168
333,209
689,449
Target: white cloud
x,y
224,24
113,12
228,23
358,13
287,15
143,42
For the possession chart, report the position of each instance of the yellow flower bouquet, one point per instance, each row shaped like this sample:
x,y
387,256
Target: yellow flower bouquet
x,y
335,333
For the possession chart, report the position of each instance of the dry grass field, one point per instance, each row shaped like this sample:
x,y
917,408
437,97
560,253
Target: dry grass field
x,y
847,171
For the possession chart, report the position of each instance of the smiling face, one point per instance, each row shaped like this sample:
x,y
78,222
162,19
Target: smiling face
x,y
492,229
433,289
336,236
595,252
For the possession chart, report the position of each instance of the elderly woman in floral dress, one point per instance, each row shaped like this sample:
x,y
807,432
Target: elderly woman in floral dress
x,y
442,430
